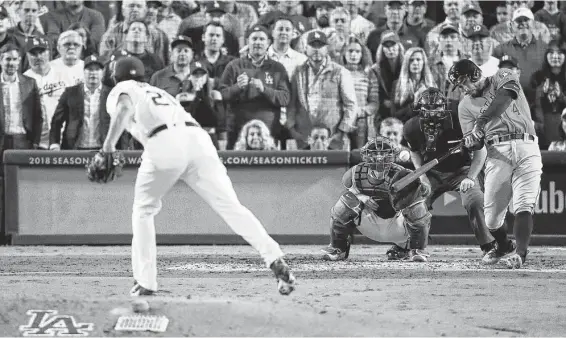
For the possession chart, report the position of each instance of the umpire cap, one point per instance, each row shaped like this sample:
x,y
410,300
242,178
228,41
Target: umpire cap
x,y
463,69
129,68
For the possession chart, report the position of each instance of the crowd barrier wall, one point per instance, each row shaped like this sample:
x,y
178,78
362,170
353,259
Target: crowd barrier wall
x,y
49,200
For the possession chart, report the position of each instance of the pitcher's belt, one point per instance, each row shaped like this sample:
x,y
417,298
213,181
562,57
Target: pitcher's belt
x,y
510,137
164,127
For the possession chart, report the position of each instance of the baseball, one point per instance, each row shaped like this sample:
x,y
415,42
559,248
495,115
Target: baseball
x,y
140,305
404,156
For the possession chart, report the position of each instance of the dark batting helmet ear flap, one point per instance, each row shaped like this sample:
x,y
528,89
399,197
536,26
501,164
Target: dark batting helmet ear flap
x,y
463,69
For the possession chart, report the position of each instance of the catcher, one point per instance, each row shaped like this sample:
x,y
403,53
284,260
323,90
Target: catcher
x,y
430,135
380,214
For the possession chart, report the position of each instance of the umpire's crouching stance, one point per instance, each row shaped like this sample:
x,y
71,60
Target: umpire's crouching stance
x,y
495,117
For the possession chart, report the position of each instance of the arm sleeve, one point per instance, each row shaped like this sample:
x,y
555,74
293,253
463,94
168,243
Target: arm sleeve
x,y
279,96
59,117
466,118
228,84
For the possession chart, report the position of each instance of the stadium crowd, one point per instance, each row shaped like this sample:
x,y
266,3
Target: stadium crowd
x,y
268,75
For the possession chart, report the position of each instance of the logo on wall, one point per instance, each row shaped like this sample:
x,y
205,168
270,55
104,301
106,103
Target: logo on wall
x,y
48,323
268,79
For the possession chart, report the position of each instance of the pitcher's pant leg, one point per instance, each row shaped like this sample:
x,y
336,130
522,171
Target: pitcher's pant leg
x,y
151,185
208,178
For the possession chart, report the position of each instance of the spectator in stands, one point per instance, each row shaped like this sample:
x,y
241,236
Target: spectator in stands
x,y
550,83
528,49
60,20
214,13
20,106
255,86
293,9
553,18
320,22
395,13
481,50
322,93
49,82
116,34
387,68
202,102
452,9
319,138
472,16
392,128
82,109
415,77
245,13
170,21
255,135
340,31
26,28
135,44
506,31
356,58
416,22
89,48
5,36
212,57
449,52
359,26
151,20
266,6
502,14
280,50
174,78
69,64
560,145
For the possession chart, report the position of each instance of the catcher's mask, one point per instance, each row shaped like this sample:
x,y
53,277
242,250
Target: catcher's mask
x,y
379,153
462,70
434,117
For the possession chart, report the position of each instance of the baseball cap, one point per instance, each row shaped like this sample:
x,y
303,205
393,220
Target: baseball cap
x,y
317,39
413,2
478,30
214,7
523,12
395,2
508,59
198,66
93,59
258,28
472,7
36,42
128,68
447,28
118,54
389,36
179,39
4,12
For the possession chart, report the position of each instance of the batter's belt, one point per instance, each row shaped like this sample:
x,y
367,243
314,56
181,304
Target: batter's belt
x,y
164,127
510,137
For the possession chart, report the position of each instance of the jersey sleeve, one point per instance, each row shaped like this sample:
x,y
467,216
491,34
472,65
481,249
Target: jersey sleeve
x,y
507,79
121,88
466,117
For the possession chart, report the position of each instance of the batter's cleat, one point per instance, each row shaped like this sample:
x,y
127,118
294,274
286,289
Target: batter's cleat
x,y
514,262
418,255
335,254
139,290
496,254
397,253
285,279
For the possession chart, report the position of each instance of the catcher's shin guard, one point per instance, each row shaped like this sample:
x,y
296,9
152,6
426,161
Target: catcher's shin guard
x,y
417,222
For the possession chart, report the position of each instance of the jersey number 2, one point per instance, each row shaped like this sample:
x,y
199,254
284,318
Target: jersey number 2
x,y
158,99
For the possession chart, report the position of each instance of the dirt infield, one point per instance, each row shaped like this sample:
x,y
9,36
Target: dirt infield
x,y
226,291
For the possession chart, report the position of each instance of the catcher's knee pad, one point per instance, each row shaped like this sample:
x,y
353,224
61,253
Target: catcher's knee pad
x,y
347,209
417,214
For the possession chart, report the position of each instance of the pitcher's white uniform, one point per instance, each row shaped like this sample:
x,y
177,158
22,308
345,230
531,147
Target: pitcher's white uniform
x,y
179,152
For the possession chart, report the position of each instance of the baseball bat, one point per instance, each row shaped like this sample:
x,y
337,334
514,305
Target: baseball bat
x,y
405,181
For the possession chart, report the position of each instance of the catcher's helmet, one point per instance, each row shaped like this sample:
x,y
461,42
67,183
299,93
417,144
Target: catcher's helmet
x,y
379,153
129,68
463,69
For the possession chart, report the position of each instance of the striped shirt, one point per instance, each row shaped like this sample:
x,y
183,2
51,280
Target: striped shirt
x,y
13,120
90,130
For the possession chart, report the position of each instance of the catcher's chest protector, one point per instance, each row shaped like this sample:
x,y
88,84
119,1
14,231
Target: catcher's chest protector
x,y
370,186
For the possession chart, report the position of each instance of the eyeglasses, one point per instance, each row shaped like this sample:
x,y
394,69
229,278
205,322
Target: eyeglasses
x,y
71,45
339,20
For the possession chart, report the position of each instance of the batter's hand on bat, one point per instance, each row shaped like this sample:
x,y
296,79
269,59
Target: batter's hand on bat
x,y
467,183
474,140
426,187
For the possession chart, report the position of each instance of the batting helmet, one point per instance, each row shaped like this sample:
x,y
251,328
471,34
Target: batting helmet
x,y
463,69
129,68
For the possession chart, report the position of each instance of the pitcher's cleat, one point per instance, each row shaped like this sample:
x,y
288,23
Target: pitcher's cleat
x,y
496,254
418,255
139,290
285,279
397,253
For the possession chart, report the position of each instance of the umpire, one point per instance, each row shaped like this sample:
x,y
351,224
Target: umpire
x,y
430,135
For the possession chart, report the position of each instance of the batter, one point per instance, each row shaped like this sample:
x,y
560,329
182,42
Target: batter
x,y
175,148
495,115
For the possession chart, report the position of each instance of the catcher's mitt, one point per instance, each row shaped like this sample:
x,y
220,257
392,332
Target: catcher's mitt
x,y
408,195
104,167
